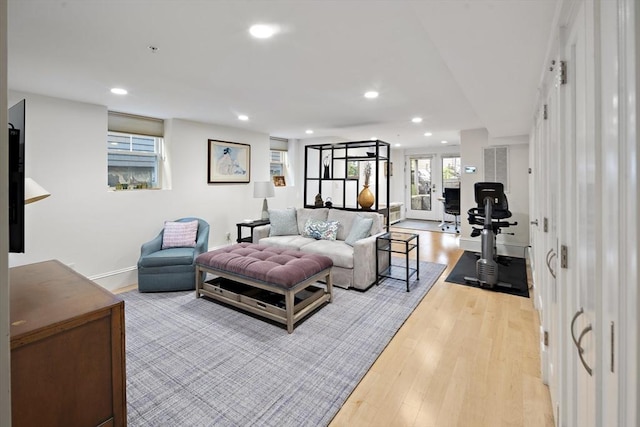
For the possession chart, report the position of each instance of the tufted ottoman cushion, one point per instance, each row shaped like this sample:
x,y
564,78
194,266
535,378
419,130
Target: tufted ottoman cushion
x,y
283,268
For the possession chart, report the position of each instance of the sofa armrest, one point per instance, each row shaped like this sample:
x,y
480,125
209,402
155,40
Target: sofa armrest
x,y
202,244
151,246
260,232
364,262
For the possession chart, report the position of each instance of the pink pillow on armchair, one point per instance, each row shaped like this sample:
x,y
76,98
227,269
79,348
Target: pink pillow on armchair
x,y
179,234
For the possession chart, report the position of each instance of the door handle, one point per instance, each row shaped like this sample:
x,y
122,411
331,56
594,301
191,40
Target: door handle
x,y
581,350
534,222
549,258
573,322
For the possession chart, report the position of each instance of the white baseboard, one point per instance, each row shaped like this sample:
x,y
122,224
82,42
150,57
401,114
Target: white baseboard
x,y
117,279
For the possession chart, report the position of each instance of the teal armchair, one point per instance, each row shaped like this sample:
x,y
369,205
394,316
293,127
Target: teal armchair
x,y
171,269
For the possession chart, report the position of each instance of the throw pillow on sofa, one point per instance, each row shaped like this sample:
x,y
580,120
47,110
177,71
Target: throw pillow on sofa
x,y
304,215
360,229
321,230
283,222
179,234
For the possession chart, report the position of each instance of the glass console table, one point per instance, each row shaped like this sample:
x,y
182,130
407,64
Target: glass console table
x,y
402,243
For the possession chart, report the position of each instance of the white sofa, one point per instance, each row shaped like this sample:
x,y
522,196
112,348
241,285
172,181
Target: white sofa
x,y
354,266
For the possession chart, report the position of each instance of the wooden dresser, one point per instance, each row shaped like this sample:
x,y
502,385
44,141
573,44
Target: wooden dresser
x,y
67,349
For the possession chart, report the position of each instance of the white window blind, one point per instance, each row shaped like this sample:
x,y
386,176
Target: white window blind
x,y
279,158
139,125
278,144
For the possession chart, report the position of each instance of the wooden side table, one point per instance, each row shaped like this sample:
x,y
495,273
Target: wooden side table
x,y
398,242
250,225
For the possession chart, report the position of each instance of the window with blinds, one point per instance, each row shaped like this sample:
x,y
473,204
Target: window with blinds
x,y
278,158
134,151
496,165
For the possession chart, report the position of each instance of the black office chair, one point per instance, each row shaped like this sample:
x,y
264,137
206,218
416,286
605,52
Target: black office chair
x,y
452,206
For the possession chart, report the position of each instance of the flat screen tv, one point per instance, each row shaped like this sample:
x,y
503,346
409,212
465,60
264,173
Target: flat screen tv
x,y
16,177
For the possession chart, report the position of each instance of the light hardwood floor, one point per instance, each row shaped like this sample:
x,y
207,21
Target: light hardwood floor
x,y
465,357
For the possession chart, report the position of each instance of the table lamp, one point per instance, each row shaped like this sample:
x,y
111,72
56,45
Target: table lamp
x,y
33,191
262,190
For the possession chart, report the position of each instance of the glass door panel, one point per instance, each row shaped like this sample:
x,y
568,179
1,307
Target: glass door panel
x,y
451,171
420,186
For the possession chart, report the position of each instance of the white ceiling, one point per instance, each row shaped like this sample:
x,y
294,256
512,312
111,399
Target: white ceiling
x,y
457,64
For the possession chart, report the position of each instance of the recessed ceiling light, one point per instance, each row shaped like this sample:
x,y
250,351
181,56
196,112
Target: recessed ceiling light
x,y
308,131
428,134
397,145
243,117
371,94
416,119
373,138
262,31
444,142
119,91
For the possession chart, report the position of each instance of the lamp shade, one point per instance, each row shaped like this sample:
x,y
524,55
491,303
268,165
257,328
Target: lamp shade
x,y
263,189
33,191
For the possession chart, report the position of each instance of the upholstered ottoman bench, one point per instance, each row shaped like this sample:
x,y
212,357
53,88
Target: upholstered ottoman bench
x,y
244,270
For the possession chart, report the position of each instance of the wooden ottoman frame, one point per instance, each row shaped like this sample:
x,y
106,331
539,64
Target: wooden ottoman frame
x,y
292,313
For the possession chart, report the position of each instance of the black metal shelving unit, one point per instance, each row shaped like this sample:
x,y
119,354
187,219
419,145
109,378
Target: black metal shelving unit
x,y
338,180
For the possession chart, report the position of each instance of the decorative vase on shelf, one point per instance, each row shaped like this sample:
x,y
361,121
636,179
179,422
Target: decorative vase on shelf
x,y
326,162
366,198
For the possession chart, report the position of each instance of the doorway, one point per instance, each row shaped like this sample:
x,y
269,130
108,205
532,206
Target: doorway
x,y
420,187
426,177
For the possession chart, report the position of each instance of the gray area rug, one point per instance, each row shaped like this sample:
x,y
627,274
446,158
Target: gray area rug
x,y
195,362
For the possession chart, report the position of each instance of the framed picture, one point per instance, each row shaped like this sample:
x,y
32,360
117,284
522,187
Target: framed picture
x,y
228,162
353,170
278,181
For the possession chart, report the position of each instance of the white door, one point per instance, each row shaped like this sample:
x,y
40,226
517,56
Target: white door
x,y
580,231
619,183
423,187
545,216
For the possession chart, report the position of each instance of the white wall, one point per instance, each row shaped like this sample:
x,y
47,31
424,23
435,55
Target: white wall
x,y
472,144
99,232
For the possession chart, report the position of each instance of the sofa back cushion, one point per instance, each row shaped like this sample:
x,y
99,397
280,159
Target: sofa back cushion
x,y
346,218
305,214
378,222
360,229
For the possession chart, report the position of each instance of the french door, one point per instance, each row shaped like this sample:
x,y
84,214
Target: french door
x,y
423,179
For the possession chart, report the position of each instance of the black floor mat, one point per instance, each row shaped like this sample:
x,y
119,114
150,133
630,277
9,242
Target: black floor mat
x,y
514,273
